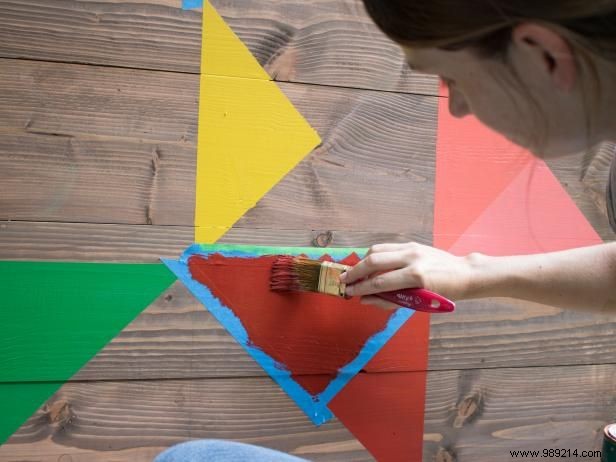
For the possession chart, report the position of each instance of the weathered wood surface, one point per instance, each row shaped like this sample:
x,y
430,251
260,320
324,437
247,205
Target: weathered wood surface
x,y
29,240
106,145
326,42
477,415
82,133
115,418
97,164
176,338
102,20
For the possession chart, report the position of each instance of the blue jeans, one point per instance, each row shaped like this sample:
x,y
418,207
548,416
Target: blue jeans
x,y
222,451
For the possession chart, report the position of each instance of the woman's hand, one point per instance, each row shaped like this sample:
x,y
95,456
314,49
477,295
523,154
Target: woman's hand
x,y
389,267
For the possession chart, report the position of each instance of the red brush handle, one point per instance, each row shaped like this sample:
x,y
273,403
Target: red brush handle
x,y
419,300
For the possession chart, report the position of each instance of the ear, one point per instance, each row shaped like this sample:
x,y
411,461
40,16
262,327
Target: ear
x,y
551,50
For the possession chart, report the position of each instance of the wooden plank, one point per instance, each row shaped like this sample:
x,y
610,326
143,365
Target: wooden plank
x,y
477,415
80,143
177,331
73,101
177,338
329,43
58,178
21,240
81,133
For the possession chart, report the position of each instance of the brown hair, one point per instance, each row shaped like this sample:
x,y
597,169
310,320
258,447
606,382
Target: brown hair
x,y
486,25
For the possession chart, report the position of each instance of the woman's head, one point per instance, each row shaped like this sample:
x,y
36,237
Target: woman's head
x,y
531,70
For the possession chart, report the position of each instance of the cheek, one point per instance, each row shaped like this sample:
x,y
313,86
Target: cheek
x,y
443,87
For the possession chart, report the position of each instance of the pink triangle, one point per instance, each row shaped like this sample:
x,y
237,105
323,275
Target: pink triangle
x,y
533,214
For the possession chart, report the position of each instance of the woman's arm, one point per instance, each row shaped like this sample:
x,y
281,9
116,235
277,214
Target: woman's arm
x,y
583,278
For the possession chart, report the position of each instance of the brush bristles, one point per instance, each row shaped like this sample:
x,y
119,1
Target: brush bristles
x,y
293,274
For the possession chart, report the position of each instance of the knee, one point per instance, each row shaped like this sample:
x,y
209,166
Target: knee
x,y
196,451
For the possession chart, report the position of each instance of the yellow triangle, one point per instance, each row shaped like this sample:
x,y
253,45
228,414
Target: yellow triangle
x,y
250,135
223,53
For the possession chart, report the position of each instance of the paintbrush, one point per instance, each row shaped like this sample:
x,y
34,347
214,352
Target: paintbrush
x,y
300,274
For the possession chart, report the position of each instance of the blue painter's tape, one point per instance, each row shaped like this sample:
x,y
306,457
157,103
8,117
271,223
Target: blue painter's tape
x,y
191,4
314,406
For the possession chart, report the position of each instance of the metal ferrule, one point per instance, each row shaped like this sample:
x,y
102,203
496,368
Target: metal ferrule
x,y
329,278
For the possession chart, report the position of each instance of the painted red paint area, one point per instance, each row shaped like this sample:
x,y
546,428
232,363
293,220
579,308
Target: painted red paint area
x,y
385,412
308,334
407,350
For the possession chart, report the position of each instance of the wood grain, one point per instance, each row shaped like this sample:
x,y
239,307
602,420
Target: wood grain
x,y
480,415
46,177
107,145
177,338
476,415
119,416
329,43
97,163
71,101
26,240
21,240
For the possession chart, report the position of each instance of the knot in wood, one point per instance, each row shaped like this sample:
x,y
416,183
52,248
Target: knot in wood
x,y
467,409
59,412
323,239
443,455
156,159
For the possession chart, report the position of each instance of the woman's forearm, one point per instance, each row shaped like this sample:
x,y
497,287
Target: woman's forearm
x,y
583,278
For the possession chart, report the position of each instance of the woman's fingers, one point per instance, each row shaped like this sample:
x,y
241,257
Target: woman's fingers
x,y
374,263
386,247
390,267
376,301
385,282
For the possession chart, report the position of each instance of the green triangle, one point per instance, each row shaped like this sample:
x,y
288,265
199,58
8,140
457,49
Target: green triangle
x,y
54,317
